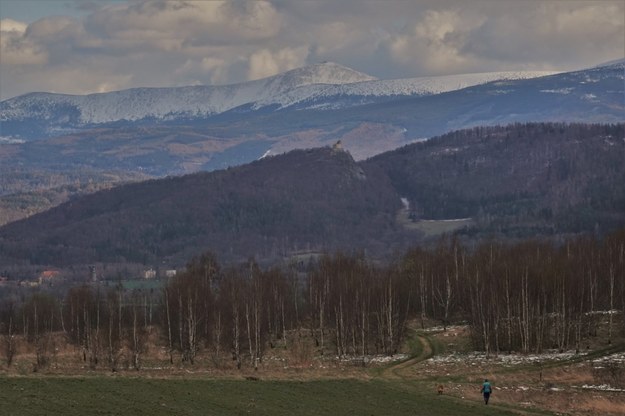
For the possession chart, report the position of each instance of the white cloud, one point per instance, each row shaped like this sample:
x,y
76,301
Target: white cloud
x,y
216,69
10,25
16,48
264,63
511,35
166,43
435,42
564,33
176,25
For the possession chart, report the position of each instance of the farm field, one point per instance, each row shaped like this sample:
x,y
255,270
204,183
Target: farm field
x,y
551,383
101,395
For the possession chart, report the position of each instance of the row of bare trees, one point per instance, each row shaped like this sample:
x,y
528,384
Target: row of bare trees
x,y
523,297
240,310
349,307
364,308
105,326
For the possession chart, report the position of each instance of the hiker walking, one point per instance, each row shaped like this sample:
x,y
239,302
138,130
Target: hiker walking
x,y
486,390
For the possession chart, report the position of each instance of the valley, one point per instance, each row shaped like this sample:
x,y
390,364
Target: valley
x,y
317,242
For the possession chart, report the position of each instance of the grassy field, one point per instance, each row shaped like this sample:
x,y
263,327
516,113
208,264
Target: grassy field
x,y
103,395
432,228
323,387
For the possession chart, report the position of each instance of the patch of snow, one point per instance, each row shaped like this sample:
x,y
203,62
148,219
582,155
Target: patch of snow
x,y
501,92
385,358
612,358
373,359
504,359
617,62
559,91
610,312
308,87
405,203
11,140
602,387
442,328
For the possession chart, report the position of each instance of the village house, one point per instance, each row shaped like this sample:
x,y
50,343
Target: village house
x,y
48,276
149,274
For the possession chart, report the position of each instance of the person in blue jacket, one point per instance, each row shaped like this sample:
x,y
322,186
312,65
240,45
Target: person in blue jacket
x,y
486,390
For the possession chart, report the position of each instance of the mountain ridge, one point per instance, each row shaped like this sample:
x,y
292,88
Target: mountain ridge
x,y
316,82
523,180
366,126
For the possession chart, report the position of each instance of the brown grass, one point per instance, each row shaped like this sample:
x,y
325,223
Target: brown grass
x,y
558,389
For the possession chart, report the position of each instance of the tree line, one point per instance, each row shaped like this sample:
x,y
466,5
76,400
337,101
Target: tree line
x,y
523,297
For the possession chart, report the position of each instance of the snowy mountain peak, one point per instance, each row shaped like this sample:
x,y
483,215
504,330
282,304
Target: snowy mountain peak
x,y
325,73
615,62
321,86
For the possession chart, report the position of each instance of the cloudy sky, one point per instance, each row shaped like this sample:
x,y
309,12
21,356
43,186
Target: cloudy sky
x,y
83,47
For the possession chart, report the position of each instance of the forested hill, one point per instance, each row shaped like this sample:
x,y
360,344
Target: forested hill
x,y
519,181
305,199
522,180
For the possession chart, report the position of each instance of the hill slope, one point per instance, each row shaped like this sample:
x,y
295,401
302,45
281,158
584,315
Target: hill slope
x,y
316,198
367,122
515,181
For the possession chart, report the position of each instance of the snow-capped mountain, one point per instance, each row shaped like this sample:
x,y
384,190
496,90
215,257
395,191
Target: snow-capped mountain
x,y
320,86
169,131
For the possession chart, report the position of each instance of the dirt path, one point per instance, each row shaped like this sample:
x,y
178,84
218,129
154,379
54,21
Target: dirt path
x,y
404,371
397,371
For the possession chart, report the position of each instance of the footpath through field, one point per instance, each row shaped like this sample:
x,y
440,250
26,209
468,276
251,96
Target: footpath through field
x,y
424,348
397,371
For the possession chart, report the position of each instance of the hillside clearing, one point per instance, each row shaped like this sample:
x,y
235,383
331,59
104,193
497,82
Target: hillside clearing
x,y
431,228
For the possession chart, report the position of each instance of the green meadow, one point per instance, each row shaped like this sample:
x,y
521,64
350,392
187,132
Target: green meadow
x,y
101,395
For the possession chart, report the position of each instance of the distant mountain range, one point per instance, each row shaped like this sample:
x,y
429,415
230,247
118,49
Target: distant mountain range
x,y
518,181
164,131
320,86
67,145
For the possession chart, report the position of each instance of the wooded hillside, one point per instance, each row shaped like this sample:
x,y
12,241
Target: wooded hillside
x,y
513,182
522,180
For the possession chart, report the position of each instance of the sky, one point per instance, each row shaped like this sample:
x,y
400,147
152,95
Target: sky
x,y
81,47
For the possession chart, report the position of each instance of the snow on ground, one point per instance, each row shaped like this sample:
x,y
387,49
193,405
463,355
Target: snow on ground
x,y
612,358
602,387
475,358
373,359
611,312
313,86
10,140
558,91
451,328
381,359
